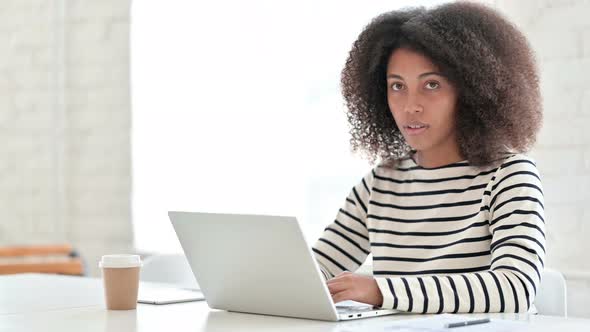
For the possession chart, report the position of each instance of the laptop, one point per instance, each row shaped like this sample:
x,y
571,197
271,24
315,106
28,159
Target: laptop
x,y
259,264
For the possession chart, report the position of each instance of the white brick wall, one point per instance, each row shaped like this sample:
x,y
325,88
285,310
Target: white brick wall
x,y
98,121
65,125
559,32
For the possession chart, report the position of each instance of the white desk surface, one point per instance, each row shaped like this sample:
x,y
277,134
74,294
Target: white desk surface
x,y
37,302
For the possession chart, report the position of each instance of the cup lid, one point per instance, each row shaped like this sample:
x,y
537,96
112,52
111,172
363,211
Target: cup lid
x,y
119,261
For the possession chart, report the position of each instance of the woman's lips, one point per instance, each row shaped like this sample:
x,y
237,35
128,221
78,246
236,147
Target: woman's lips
x,y
415,131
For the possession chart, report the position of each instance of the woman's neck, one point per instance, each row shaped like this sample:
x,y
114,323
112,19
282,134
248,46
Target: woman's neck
x,y
432,159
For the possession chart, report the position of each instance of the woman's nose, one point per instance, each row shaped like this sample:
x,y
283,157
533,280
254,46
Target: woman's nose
x,y
413,105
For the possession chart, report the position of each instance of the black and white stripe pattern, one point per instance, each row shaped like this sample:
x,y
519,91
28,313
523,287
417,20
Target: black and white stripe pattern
x,y
455,238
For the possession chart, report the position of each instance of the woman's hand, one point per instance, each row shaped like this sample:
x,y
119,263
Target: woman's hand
x,y
356,287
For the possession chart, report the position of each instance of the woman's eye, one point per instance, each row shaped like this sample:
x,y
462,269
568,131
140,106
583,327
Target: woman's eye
x,y
430,87
396,86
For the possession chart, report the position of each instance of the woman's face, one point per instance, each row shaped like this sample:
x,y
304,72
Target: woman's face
x,y
422,101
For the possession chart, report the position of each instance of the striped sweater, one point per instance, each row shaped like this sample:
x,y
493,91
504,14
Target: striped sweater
x,y
455,238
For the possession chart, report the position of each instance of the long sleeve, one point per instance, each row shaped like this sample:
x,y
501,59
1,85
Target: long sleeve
x,y
344,245
514,197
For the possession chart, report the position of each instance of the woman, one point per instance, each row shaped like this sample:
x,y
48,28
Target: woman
x,y
449,99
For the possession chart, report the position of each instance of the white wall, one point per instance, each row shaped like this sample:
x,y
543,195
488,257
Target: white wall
x,y
65,125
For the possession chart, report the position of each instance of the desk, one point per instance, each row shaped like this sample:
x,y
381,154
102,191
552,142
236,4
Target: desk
x,y
88,313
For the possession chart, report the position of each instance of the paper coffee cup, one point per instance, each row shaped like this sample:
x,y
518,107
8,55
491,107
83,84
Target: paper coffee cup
x,y
120,274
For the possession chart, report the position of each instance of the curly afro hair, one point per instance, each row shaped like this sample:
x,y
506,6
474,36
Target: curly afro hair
x,y
485,56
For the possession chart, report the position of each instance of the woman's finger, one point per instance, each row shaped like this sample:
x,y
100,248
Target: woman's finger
x,y
336,287
341,296
339,277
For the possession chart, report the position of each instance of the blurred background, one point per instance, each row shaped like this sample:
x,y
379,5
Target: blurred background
x,y
116,111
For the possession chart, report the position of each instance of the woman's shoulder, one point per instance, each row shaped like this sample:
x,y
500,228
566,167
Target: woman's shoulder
x,y
516,167
518,161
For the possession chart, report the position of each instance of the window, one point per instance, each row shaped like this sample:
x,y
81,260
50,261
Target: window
x,y
237,109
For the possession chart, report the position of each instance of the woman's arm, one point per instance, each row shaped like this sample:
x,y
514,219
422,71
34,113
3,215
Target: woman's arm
x,y
344,245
